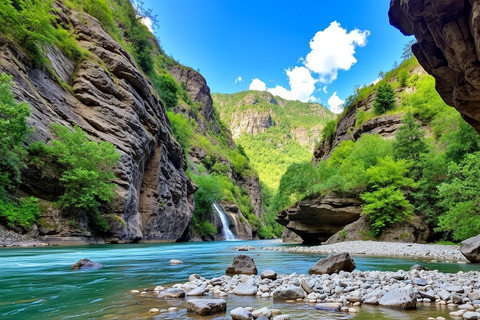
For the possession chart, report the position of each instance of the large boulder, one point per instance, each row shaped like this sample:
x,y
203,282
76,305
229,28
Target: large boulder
x,y
470,248
85,263
333,264
206,306
290,293
403,298
172,293
242,264
241,314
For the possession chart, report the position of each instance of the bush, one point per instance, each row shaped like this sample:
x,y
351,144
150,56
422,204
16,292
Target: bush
x,y
181,128
385,99
22,213
86,172
385,203
167,89
329,130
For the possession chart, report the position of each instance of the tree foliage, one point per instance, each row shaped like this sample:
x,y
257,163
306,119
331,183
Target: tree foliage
x,y
460,198
385,99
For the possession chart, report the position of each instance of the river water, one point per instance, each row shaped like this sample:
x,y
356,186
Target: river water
x,y
36,283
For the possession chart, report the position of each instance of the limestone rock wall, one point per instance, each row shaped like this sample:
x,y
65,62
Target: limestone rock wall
x,y
112,101
448,47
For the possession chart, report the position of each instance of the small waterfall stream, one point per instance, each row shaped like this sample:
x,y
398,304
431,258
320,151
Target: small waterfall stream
x,y
226,233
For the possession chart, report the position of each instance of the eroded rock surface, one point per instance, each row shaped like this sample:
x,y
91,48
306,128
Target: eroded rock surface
x,y
333,263
111,101
448,47
316,220
470,248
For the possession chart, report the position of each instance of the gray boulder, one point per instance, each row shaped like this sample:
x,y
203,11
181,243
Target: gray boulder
x,y
172,293
248,288
290,293
242,264
402,298
333,264
198,291
206,306
241,314
85,264
470,248
268,274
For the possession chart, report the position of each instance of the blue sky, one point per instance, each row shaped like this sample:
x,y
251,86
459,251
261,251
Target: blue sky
x,y
299,50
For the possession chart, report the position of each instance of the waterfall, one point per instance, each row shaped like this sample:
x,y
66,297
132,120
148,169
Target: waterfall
x,y
226,233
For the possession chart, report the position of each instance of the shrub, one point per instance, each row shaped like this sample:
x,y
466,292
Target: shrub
x,y
329,130
22,213
167,89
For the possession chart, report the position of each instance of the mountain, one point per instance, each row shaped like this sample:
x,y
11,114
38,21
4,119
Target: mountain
x,y
383,169
95,66
274,132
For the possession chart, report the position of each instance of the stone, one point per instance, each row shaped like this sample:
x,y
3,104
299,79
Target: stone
x,y
172,309
419,267
470,248
329,306
206,306
172,293
193,277
241,314
282,317
85,264
154,310
402,298
262,312
248,288
268,274
290,293
304,284
470,315
175,261
242,264
198,291
333,263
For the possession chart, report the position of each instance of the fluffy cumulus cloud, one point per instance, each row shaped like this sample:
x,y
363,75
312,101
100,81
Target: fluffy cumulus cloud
x,y
147,22
333,49
335,104
302,86
257,85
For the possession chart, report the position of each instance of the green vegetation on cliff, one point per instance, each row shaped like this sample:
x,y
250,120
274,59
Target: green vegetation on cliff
x,y
429,173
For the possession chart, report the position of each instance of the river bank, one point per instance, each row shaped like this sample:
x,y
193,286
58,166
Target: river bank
x,y
9,238
383,249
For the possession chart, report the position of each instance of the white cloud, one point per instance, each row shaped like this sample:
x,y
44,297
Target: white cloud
x,y
333,49
257,85
335,103
324,89
302,86
147,22
238,79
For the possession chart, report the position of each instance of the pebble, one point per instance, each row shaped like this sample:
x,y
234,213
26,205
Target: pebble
x,y
153,310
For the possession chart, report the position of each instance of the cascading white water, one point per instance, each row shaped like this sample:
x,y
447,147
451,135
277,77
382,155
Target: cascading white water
x,y
226,233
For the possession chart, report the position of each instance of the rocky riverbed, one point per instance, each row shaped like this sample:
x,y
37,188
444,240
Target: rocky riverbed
x,y
377,248
342,291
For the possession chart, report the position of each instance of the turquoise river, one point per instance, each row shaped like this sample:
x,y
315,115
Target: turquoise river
x,y
37,283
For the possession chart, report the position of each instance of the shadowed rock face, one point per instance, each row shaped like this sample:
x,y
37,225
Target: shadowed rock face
x,y
111,101
448,48
317,220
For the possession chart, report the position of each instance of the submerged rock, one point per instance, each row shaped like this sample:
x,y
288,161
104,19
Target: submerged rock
x,y
84,264
206,306
333,264
242,264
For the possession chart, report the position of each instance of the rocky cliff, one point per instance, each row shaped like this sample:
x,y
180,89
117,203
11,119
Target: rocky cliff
x,y
316,220
113,101
448,47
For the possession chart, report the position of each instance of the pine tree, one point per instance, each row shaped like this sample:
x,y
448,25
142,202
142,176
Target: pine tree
x,y
385,99
410,142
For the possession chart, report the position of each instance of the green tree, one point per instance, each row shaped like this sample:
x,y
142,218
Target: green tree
x,y
385,202
87,172
167,89
14,131
460,199
329,130
410,143
461,142
403,78
385,99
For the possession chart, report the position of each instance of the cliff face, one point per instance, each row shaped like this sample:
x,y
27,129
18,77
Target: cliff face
x,y
250,122
448,47
111,100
